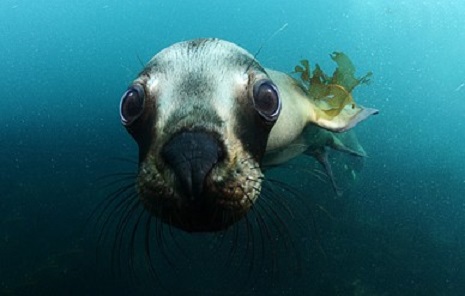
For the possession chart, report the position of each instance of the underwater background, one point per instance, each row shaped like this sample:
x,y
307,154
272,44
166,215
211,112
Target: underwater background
x,y
399,228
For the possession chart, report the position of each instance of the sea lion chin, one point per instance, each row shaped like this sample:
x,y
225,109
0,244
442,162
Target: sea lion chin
x,y
204,113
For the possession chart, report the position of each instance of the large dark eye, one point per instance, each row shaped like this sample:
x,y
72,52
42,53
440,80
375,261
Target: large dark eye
x,y
132,104
266,100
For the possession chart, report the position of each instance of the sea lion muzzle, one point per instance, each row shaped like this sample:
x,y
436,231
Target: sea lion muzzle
x,y
192,155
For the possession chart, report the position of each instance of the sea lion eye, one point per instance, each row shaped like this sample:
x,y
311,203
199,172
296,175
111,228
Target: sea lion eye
x,y
132,104
266,100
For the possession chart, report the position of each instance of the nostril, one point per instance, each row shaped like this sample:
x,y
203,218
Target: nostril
x,y
192,155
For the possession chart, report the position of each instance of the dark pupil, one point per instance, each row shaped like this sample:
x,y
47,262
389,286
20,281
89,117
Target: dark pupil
x,y
266,100
132,104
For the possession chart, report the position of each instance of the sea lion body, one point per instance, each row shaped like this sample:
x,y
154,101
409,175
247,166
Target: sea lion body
x,y
205,115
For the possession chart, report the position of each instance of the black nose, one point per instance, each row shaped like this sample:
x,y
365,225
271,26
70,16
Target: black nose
x,y
192,155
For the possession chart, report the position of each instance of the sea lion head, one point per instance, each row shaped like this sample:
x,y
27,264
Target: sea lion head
x,y
201,112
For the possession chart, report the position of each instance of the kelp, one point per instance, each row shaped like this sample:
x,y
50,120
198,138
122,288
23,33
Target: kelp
x,y
331,93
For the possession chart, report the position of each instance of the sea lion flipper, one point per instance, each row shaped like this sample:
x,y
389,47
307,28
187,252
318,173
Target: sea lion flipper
x,y
347,143
321,155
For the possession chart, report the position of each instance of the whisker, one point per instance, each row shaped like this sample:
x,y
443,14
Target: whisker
x,y
147,251
132,240
282,202
250,240
259,220
160,226
120,230
317,173
112,210
233,248
221,237
112,197
307,208
117,181
175,241
271,236
277,202
250,246
124,159
113,175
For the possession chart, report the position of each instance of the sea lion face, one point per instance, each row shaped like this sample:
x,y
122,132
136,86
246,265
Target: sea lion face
x,y
201,112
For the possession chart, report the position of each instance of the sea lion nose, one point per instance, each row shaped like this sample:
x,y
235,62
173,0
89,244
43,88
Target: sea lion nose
x,y
192,155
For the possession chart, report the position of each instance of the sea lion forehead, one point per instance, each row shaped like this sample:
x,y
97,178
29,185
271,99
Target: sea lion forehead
x,y
194,55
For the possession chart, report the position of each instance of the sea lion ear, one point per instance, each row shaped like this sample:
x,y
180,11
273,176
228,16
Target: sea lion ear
x,y
339,120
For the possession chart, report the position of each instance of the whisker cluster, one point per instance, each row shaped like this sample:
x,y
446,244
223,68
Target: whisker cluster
x,y
256,242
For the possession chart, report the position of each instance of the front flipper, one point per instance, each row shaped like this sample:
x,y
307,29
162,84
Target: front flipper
x,y
346,142
321,155
319,141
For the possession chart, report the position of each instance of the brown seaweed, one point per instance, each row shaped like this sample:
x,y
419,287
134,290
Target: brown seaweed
x,y
344,74
331,93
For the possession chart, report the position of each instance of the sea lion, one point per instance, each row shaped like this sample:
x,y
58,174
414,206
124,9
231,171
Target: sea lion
x,y
207,117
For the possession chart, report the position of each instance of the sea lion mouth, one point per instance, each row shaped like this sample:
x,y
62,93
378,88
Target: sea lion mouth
x,y
191,156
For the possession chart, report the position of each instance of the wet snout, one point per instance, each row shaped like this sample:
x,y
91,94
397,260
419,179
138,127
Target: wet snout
x,y
192,155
